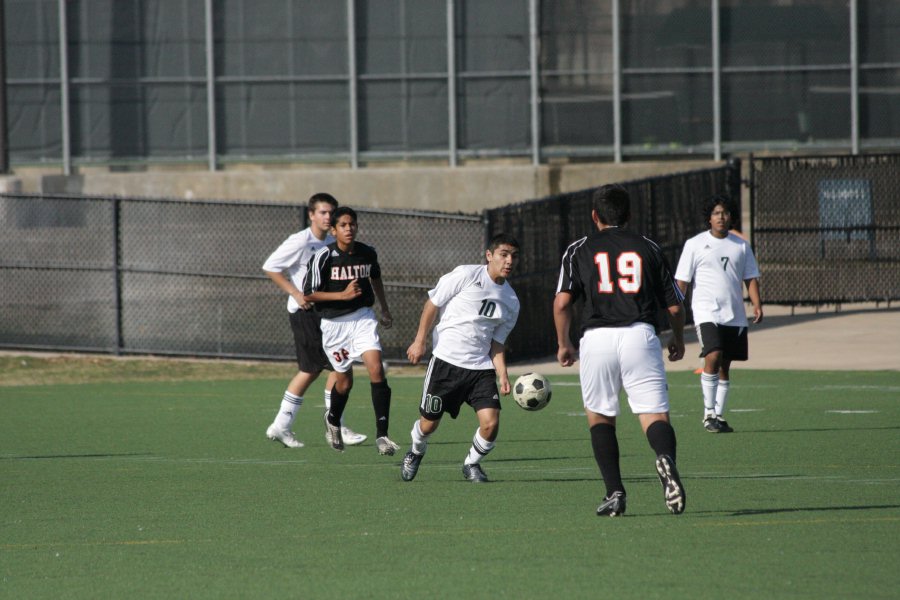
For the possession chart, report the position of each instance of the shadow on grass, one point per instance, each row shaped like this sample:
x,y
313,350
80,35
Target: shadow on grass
x,y
57,456
770,511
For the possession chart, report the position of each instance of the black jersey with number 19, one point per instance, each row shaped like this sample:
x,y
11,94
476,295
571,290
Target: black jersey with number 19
x,y
622,277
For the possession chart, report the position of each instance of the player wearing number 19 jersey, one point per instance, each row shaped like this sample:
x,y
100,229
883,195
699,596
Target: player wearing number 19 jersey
x,y
477,309
624,281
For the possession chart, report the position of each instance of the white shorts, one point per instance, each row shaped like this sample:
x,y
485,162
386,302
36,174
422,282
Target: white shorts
x,y
612,358
347,337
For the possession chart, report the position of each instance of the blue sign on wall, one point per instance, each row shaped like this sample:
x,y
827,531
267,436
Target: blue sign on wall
x,y
845,207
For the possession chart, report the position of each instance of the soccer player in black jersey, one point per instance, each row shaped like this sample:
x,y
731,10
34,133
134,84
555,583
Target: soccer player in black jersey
x,y
624,281
344,280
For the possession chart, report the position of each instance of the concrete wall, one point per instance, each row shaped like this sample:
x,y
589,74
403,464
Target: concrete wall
x,y
462,189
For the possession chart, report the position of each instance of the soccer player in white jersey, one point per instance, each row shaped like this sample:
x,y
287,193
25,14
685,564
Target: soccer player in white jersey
x,y
715,265
475,309
286,267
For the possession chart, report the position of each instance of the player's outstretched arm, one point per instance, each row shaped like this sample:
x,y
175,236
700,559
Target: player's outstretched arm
x,y
562,319
416,349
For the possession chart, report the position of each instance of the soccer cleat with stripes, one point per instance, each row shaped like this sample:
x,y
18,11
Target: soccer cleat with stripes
x,y
724,427
284,436
711,424
410,466
673,491
474,473
612,506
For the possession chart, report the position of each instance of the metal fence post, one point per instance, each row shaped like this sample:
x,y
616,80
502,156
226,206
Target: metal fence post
x,y
117,272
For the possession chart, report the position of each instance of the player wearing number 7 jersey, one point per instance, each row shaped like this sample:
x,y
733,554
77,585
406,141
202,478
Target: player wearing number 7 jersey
x,y
624,281
477,309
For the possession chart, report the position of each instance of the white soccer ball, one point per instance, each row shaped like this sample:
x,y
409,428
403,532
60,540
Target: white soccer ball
x,y
532,391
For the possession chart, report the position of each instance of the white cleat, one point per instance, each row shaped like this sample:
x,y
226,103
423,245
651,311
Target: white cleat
x,y
284,436
351,438
385,446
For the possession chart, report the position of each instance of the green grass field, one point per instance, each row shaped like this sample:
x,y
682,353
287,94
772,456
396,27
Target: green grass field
x,y
152,488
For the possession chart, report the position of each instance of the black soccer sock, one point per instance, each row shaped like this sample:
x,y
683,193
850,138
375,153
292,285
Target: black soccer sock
x,y
381,402
662,439
338,404
606,453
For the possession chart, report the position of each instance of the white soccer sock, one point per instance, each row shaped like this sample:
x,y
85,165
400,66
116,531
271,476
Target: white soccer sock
x,y
480,448
290,404
328,399
709,384
721,396
419,439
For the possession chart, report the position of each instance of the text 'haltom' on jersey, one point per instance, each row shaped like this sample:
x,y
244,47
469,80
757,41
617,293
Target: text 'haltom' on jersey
x,y
351,272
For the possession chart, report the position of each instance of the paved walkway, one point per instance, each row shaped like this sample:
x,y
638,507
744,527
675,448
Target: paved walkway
x,y
857,337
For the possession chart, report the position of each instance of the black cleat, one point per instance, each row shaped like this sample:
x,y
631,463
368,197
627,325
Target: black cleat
x,y
712,424
474,473
724,427
612,506
673,491
410,466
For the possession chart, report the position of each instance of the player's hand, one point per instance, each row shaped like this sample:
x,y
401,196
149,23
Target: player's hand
x,y
505,387
757,314
352,290
386,319
303,302
676,350
566,355
415,352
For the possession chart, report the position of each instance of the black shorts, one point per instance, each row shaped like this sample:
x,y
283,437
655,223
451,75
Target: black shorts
x,y
732,341
447,387
308,341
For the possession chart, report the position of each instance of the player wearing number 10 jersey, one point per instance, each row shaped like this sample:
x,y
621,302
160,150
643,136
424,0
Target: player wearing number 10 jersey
x,y
624,281
477,309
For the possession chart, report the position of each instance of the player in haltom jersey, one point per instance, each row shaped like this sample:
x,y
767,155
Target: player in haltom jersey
x,y
475,309
286,266
344,280
624,281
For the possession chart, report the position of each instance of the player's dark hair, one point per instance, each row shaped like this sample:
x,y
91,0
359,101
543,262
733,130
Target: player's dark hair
x,y
340,212
501,239
710,204
321,197
612,204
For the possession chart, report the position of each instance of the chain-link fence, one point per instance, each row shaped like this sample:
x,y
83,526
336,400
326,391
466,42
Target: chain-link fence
x,y
827,229
172,277
665,209
175,277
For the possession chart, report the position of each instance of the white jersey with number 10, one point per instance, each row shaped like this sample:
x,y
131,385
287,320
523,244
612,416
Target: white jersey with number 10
x,y
473,311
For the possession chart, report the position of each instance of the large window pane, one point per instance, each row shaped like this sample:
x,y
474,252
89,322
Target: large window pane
x,y
492,35
278,38
402,36
665,34
793,108
879,23
33,122
879,105
404,116
577,111
494,114
266,119
666,112
773,32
